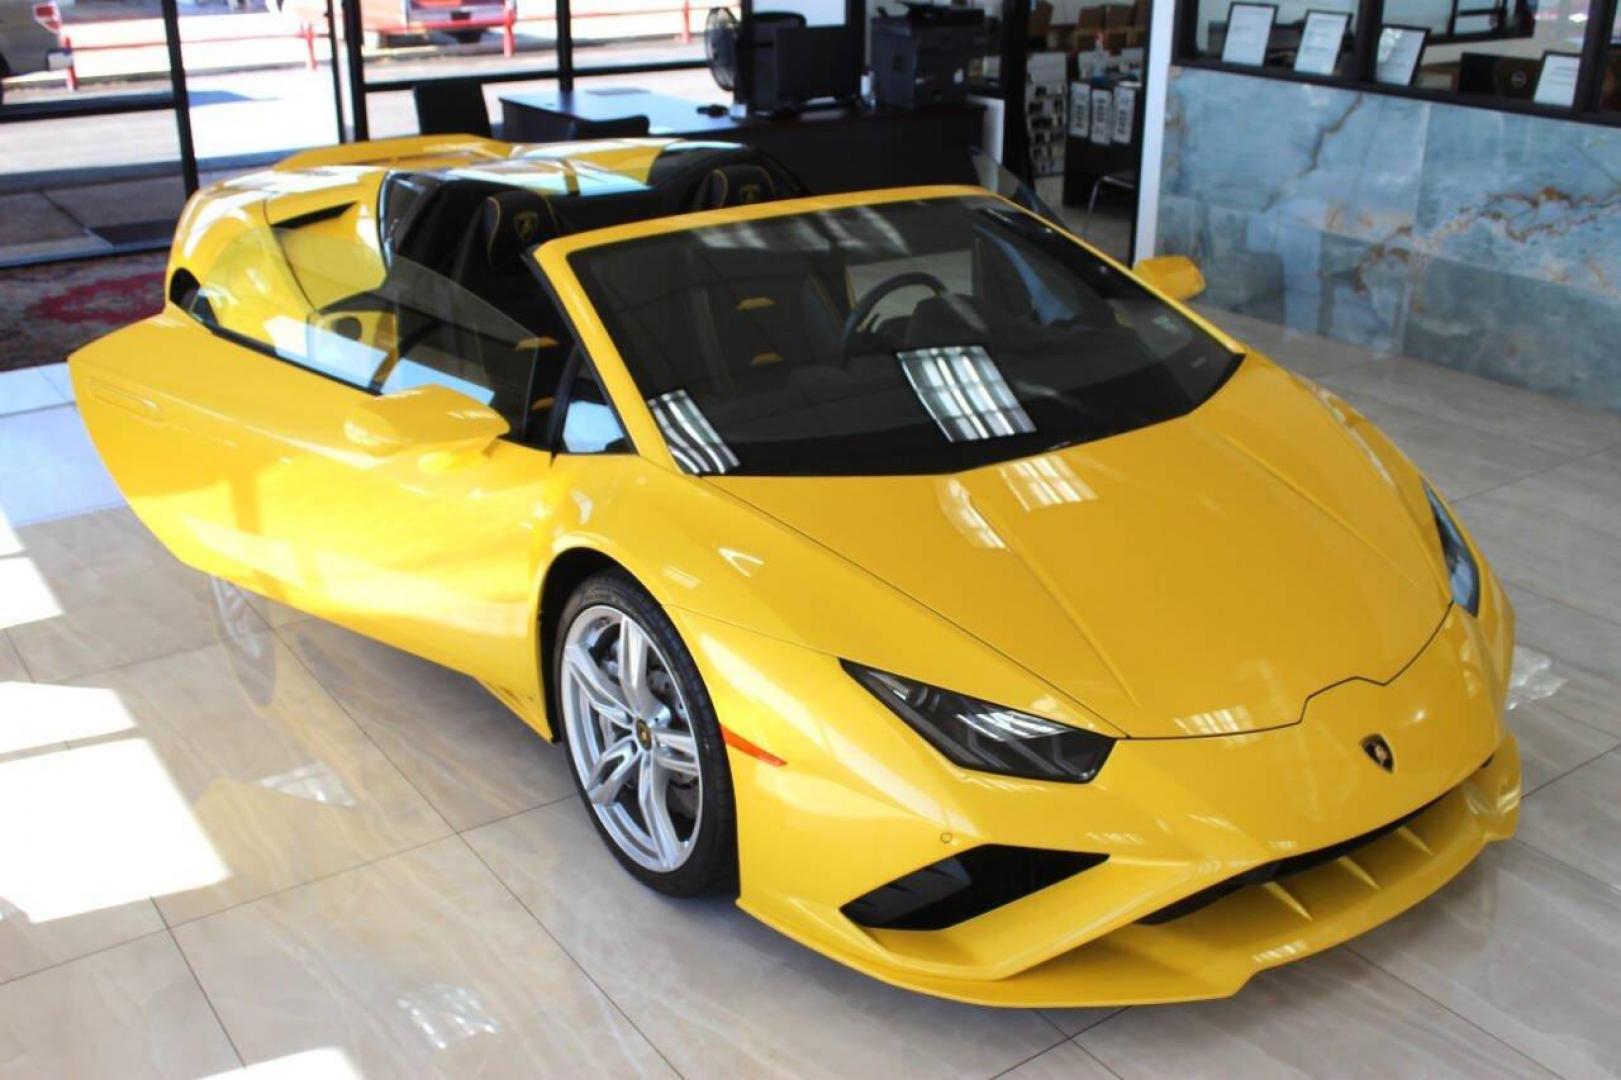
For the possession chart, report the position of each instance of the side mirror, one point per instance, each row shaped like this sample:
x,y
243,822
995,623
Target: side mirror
x,y
1174,275
427,418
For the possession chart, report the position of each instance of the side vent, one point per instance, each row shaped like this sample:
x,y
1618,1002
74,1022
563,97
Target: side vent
x,y
957,889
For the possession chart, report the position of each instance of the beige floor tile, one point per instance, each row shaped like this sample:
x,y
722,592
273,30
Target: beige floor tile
x,y
1075,1021
58,900
1535,533
50,469
27,389
722,995
57,375
130,1012
420,964
1459,460
278,786
1552,744
1586,654
86,834
1577,819
11,665
1308,354
465,751
1331,1015
1526,948
1066,1061
101,592
1455,398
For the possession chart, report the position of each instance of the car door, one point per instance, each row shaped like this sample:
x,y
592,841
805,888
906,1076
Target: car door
x,y
366,457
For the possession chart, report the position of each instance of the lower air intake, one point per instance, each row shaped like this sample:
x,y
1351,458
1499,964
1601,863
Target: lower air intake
x,y
957,889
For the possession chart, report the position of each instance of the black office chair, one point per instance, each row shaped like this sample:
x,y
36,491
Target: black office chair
x,y
624,127
451,107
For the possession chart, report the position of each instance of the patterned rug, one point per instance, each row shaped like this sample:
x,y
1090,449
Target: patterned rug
x,y
48,311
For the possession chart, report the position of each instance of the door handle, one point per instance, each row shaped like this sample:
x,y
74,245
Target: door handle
x,y
143,407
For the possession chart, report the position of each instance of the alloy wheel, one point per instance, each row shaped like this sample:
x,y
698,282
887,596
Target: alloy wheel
x,y
630,737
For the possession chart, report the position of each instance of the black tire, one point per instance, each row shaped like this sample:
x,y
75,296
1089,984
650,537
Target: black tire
x,y
712,864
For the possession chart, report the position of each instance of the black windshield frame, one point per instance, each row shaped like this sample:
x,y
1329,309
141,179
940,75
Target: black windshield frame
x,y
644,289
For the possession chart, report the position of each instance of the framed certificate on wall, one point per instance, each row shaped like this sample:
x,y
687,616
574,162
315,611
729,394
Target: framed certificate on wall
x,y
1400,47
1125,113
1321,40
1080,110
1556,79
1249,29
1102,115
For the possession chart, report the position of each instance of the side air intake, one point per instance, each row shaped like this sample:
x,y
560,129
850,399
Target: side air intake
x,y
957,889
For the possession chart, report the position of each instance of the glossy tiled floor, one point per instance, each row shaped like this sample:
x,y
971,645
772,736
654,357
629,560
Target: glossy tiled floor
x,y
233,837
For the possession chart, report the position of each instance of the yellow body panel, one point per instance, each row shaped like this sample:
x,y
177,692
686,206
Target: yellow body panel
x,y
1237,712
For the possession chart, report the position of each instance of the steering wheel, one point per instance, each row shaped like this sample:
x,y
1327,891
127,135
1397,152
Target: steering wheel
x,y
864,308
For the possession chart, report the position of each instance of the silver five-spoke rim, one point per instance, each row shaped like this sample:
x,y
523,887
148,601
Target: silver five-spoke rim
x,y
630,735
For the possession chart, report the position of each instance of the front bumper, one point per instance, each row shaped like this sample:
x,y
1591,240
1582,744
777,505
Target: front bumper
x,y
861,801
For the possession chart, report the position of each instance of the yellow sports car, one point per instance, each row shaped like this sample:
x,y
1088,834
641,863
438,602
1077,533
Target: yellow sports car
x,y
984,618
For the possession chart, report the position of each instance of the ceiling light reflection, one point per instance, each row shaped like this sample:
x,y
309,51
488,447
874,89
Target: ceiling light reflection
x,y
1216,721
964,393
1044,481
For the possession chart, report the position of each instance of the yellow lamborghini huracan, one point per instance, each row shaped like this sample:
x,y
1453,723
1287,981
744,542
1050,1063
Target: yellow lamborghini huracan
x,y
984,618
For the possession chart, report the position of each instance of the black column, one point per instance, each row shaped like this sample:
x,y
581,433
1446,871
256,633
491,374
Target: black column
x,y
743,85
565,45
337,76
1015,63
352,35
181,96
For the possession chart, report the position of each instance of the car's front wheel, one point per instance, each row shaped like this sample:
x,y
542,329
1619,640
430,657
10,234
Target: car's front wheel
x,y
643,738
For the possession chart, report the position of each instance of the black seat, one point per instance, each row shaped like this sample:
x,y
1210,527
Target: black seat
x,y
735,185
491,263
704,176
451,107
624,127
526,339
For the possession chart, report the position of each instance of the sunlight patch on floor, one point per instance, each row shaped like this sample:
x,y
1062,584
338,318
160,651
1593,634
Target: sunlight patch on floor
x,y
37,715
95,827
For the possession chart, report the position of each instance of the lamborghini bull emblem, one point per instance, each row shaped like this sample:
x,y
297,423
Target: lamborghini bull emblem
x,y
527,224
1379,751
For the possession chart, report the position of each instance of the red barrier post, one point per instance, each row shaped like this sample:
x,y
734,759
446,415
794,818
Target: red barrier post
x,y
509,39
686,22
307,32
72,73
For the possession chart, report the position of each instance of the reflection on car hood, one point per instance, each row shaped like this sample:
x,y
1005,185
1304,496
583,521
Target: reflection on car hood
x,y
1200,576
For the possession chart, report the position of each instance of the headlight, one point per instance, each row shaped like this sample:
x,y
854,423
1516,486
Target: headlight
x,y
978,735
1462,572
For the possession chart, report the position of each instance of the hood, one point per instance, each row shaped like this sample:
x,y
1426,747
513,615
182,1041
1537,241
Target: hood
x,y
1201,576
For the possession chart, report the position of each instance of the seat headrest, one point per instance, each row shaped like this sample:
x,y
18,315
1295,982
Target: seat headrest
x,y
735,185
944,320
512,222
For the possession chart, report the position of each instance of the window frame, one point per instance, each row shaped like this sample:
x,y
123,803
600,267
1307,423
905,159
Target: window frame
x,y
1368,19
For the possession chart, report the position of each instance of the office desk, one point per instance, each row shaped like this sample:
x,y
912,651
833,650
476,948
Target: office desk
x,y
831,149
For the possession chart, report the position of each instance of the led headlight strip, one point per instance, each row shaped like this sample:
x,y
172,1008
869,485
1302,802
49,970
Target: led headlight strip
x,y
988,738
1462,574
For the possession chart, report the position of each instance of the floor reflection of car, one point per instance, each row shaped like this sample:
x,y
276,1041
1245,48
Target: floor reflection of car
x,y
29,39
386,20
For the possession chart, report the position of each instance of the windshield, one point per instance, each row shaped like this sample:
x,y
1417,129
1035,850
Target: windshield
x,y
923,336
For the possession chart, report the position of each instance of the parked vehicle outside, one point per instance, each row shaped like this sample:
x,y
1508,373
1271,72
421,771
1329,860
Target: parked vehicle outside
x,y
389,19
29,39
